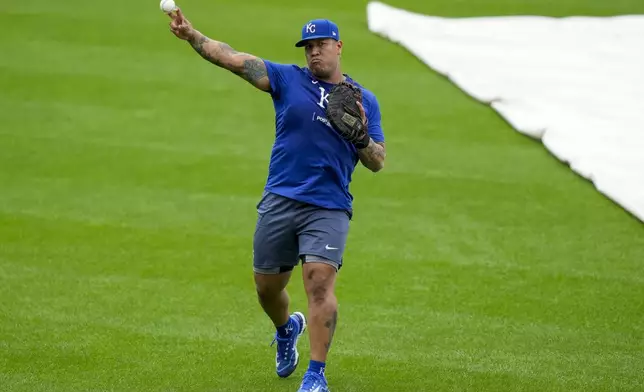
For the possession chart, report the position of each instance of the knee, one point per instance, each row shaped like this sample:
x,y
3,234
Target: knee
x,y
318,293
265,292
319,287
269,287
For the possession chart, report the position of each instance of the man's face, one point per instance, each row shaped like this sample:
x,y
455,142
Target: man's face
x,y
323,56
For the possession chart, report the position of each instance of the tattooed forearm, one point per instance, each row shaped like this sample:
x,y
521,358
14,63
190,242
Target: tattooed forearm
x,y
221,54
198,44
213,51
373,156
331,324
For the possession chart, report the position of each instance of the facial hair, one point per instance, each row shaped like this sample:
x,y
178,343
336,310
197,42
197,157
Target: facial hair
x,y
321,70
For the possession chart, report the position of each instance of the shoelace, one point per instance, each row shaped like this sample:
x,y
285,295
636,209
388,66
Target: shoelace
x,y
288,346
310,382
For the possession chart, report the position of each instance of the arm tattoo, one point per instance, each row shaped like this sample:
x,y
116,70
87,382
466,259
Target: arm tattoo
x,y
199,44
214,54
221,54
373,156
330,324
254,69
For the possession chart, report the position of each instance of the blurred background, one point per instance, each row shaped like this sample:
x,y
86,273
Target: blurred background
x,y
129,173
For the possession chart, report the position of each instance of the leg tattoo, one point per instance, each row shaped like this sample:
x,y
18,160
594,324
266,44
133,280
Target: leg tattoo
x,y
330,324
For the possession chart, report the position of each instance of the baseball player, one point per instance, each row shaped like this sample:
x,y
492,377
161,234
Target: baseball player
x,y
325,124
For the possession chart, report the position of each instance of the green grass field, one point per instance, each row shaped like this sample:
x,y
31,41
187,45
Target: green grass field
x,y
129,173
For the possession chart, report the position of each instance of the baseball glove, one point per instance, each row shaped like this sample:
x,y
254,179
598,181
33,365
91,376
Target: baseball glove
x,y
344,114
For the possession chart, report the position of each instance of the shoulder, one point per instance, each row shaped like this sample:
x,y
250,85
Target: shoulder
x,y
281,75
283,67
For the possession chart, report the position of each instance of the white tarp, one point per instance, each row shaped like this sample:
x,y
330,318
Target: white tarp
x,y
576,83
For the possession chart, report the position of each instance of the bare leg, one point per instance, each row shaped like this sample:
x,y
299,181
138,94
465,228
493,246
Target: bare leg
x,y
319,282
272,295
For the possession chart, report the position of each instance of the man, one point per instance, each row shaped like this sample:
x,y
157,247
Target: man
x,y
305,211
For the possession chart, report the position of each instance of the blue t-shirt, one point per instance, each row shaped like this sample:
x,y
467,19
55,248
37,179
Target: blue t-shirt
x,y
310,162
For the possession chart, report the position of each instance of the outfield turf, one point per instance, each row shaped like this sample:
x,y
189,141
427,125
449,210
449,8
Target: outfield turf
x,y
129,173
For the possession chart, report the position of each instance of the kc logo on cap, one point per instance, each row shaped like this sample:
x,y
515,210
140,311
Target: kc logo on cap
x,y
318,29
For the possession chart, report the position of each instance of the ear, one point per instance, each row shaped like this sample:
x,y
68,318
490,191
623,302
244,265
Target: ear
x,y
339,45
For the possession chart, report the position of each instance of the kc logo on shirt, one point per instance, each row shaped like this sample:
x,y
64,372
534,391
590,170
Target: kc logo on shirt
x,y
324,97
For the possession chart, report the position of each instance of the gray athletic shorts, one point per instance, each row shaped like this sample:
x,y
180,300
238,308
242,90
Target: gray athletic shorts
x,y
288,231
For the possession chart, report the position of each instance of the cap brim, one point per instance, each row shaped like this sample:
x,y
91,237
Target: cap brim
x,y
302,42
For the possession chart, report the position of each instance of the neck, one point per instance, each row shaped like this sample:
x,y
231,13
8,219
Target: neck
x,y
336,78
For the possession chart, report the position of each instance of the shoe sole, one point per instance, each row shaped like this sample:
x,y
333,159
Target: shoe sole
x,y
297,339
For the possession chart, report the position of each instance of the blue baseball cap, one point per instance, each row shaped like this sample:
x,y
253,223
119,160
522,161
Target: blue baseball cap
x,y
318,28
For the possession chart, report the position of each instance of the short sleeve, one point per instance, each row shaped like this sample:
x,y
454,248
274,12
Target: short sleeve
x,y
278,76
373,117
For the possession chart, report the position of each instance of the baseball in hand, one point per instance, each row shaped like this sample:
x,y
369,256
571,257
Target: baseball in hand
x,y
168,6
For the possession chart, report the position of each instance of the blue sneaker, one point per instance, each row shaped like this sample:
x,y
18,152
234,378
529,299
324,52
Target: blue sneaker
x,y
287,357
313,382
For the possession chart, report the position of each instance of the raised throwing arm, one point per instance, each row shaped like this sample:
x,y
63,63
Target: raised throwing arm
x,y
249,67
